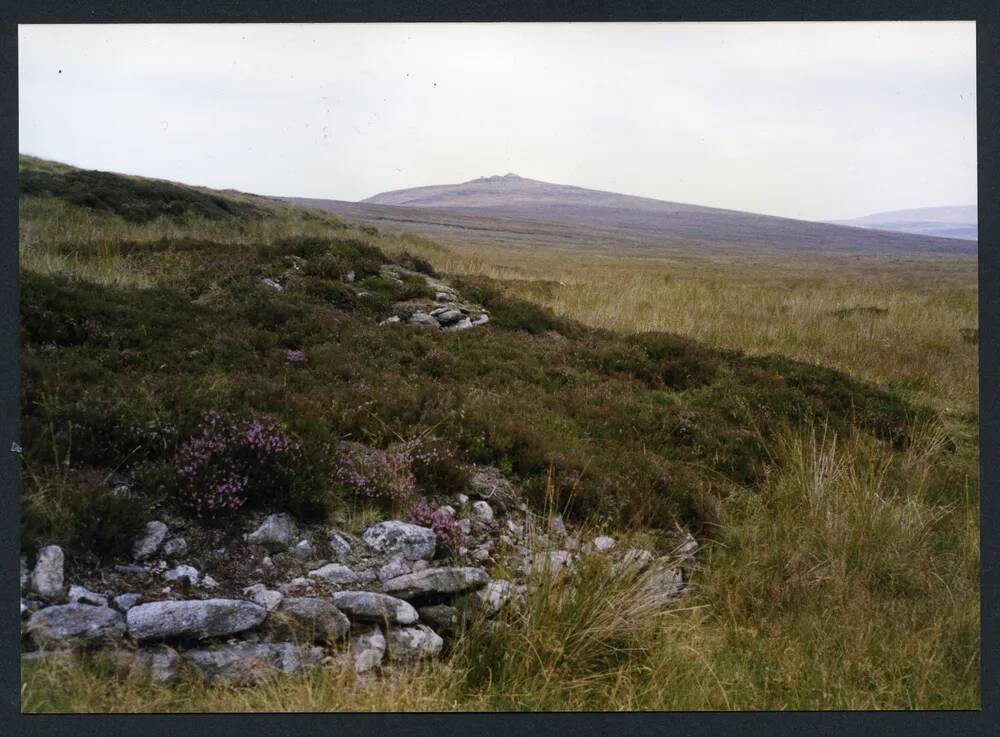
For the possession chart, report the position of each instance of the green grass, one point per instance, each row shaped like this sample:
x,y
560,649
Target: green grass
x,y
845,574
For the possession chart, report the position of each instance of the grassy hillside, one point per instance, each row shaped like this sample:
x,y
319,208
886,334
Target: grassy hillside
x,y
143,309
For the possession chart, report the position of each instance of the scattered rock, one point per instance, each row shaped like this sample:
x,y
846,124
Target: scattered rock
x,y
75,625
665,583
80,595
193,619
269,282
394,568
392,319
634,560
304,550
447,315
557,525
124,602
245,663
339,545
367,647
335,574
298,587
370,606
603,543
462,499
483,512
175,547
463,324
149,542
260,594
435,582
275,533
182,572
393,537
422,318
304,619
553,562
412,643
266,562
47,577
209,583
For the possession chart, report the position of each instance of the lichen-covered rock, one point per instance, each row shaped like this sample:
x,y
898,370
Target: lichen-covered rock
x,y
175,547
335,574
80,595
339,545
401,538
433,582
370,606
603,543
75,625
494,596
195,619
182,572
304,550
367,647
47,577
148,543
124,602
412,643
275,533
443,619
302,619
398,566
245,663
258,593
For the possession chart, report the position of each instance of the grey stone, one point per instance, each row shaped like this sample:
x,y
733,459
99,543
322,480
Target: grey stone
x,y
422,318
443,619
483,512
335,574
395,567
463,324
481,320
490,484
392,319
665,583
209,583
124,602
465,526
370,606
462,499
367,647
245,663
258,593
304,550
73,625
275,533
448,315
494,596
635,560
339,545
557,525
307,620
393,537
603,543
552,562
193,619
47,577
298,587
181,572
412,643
159,663
80,595
435,582
149,542
269,282
175,547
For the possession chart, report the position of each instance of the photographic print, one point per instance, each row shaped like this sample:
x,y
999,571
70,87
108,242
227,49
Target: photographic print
x,y
451,367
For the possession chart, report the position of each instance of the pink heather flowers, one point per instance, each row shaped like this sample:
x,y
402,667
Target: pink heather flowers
x,y
295,357
377,474
229,459
444,524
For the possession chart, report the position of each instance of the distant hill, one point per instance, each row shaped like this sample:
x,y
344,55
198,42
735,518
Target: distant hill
x,y
499,207
959,221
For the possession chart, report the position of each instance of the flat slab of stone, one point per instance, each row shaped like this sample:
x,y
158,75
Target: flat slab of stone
x,y
245,663
412,643
436,581
401,538
304,619
371,606
75,625
195,619
335,574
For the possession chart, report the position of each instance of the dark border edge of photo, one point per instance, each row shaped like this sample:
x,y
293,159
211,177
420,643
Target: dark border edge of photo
x,y
840,723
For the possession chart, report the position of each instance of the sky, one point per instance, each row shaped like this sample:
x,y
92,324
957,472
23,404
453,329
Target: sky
x,y
808,120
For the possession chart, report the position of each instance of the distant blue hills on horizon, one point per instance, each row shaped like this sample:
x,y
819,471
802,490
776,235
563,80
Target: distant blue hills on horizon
x,y
957,221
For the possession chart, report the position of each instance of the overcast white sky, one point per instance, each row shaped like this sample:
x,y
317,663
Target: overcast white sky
x,y
810,120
